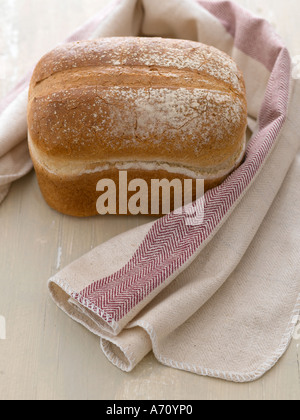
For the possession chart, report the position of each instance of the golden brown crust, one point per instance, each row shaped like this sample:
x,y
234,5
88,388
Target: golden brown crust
x,y
144,100
103,110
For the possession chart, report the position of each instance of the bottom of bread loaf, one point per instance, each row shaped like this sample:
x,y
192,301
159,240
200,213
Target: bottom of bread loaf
x,y
73,190
77,195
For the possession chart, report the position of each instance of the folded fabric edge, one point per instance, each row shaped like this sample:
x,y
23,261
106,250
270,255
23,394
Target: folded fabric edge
x,y
81,309
124,359
118,355
238,377
98,323
127,351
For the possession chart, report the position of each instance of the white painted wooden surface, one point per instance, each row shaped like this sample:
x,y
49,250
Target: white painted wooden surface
x,y
45,354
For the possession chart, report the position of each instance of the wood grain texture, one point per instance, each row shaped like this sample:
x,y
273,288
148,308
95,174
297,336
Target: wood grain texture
x,y
46,355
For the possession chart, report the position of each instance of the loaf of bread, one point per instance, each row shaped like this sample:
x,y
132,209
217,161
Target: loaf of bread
x,y
156,108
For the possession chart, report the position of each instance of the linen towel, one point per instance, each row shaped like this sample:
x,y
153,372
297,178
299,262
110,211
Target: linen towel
x,y
219,298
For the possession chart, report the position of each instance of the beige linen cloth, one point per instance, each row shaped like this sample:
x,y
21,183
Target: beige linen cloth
x,y
220,298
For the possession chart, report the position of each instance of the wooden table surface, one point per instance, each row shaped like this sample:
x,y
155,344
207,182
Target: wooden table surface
x,y
46,355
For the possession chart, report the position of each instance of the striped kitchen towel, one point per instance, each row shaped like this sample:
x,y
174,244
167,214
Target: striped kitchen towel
x,y
218,298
